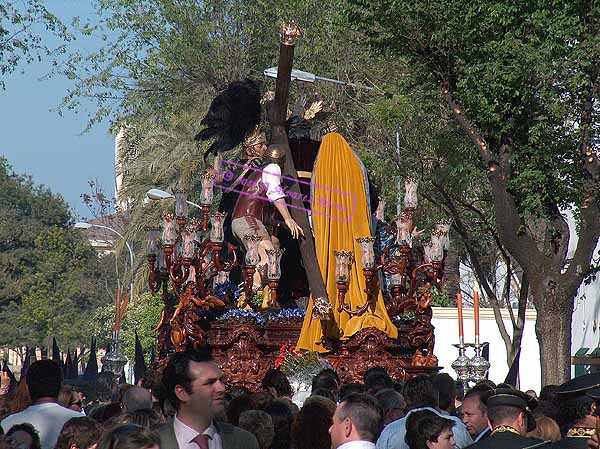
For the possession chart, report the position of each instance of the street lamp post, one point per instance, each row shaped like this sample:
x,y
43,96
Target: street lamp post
x,y
114,361
83,225
308,77
157,194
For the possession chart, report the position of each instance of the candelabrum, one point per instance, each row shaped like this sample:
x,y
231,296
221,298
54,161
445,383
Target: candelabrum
x,y
411,273
187,250
113,361
472,369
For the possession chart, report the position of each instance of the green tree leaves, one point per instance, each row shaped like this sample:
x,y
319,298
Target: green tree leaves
x,y
19,37
142,316
51,278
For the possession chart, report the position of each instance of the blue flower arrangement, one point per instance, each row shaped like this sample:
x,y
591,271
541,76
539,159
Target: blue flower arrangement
x,y
244,315
294,314
262,318
221,290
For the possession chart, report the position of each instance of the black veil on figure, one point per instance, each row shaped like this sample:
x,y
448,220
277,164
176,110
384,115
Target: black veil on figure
x,y
233,117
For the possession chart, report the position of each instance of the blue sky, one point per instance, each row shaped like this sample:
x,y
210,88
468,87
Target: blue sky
x,y
37,141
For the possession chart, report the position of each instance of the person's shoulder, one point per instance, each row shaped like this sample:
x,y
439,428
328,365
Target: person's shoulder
x,y
536,441
224,427
72,413
165,428
166,433
237,434
392,435
570,443
508,440
397,425
59,410
10,420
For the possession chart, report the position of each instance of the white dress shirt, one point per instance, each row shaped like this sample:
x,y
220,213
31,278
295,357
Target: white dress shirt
x,y
357,445
185,435
393,434
47,418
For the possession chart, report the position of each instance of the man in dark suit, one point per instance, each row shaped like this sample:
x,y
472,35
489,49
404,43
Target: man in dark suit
x,y
509,415
577,412
192,383
474,413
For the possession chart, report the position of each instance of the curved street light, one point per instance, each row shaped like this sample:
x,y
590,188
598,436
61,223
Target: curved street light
x,y
83,225
158,194
114,360
308,77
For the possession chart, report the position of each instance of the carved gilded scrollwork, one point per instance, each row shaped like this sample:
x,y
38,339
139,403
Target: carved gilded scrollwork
x,y
241,359
246,351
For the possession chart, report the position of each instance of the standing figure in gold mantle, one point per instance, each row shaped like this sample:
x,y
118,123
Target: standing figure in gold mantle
x,y
340,215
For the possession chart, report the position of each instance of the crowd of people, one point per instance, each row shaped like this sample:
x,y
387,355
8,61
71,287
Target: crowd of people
x,y
189,407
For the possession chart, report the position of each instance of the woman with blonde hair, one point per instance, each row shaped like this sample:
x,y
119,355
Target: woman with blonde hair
x,y
69,398
546,429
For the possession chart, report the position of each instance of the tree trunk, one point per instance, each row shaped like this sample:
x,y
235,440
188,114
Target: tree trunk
x,y
452,273
553,330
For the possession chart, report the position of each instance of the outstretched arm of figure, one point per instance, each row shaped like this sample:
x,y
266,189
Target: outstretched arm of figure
x,y
163,318
183,301
287,218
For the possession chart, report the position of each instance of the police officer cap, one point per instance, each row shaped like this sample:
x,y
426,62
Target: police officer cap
x,y
579,386
594,394
509,397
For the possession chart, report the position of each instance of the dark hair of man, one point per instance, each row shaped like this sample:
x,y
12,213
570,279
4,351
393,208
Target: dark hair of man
x,y
28,429
365,414
420,392
485,383
282,417
177,372
277,380
479,388
136,398
549,393
353,388
389,399
262,399
237,406
423,426
374,370
573,410
259,424
310,428
476,392
128,436
327,378
546,408
378,381
81,432
446,388
144,417
325,393
499,414
44,379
